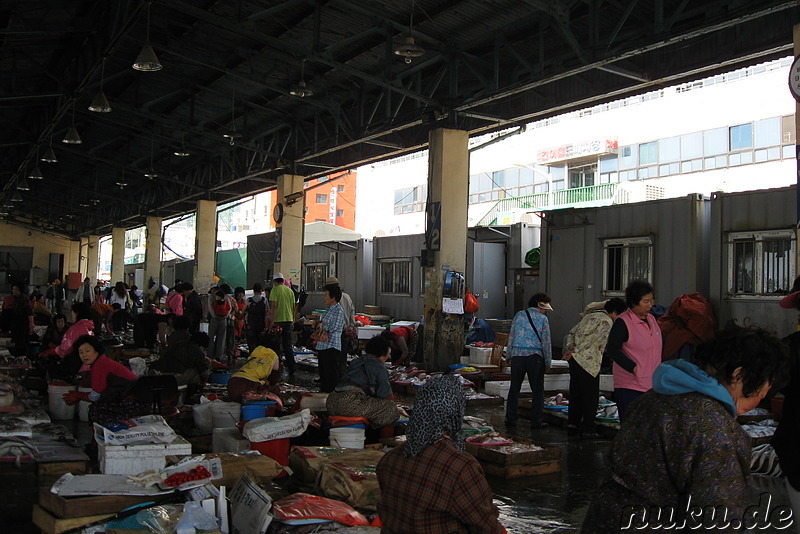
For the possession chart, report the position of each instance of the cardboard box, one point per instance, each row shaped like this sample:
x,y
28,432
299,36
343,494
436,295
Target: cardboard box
x,y
260,469
53,525
500,461
357,486
68,507
135,459
306,462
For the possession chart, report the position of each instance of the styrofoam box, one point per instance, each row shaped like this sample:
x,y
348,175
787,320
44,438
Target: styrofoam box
x,y
229,440
480,354
551,383
410,324
368,332
606,382
135,459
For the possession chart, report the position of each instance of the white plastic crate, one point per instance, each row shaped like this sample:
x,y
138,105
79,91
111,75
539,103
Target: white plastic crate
x,y
551,383
134,459
370,331
229,440
482,355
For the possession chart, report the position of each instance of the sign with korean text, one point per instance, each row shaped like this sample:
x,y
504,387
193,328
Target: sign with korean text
x,y
594,147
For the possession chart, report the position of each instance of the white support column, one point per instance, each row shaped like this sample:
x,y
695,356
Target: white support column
x,y
117,255
448,185
152,256
205,247
291,228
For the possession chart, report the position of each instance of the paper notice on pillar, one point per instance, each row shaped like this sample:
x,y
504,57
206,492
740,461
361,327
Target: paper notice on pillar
x,y
250,508
454,306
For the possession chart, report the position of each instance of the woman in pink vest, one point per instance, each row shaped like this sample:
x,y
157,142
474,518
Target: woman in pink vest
x,y
634,344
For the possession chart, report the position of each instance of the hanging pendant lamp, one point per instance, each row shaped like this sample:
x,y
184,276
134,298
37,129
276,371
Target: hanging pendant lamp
x,y
100,103
147,61
405,47
72,137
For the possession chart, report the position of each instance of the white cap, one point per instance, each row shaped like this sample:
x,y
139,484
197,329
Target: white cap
x,y
277,276
544,306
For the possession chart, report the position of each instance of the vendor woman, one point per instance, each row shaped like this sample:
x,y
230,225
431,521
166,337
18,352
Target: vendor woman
x,y
110,383
364,391
260,371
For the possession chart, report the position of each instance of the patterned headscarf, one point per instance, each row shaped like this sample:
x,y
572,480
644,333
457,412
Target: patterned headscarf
x,y
438,410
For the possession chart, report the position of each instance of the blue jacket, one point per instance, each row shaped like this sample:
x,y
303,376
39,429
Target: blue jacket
x,y
677,377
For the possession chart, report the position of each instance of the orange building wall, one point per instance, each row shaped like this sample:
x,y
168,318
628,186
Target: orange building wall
x,y
345,199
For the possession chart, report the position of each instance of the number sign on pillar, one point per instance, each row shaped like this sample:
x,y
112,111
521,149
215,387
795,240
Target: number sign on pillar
x,y
433,226
332,206
278,241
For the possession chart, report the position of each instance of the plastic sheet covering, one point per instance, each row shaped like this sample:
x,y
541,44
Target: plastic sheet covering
x,y
307,506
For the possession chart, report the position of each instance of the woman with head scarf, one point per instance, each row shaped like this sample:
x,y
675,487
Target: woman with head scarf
x,y
429,484
786,440
681,448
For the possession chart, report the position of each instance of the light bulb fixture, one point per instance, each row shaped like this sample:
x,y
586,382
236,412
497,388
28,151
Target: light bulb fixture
x,y
302,90
22,185
147,61
405,46
16,197
121,184
49,155
408,49
35,174
150,174
182,152
72,137
100,103
232,135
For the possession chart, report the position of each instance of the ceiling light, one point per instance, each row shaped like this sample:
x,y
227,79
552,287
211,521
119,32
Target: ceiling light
x,y
147,61
83,205
16,197
3,213
94,201
72,137
36,174
49,156
301,89
408,49
232,135
121,184
182,151
100,103
22,185
151,173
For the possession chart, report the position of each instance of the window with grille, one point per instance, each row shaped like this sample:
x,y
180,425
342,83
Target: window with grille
x,y
316,273
761,263
395,277
624,260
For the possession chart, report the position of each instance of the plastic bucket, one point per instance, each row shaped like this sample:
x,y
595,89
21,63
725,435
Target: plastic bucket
x,y
219,378
55,404
347,437
83,406
225,414
253,411
270,408
277,449
203,419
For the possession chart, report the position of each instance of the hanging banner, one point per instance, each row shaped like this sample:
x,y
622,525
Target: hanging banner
x,y
332,206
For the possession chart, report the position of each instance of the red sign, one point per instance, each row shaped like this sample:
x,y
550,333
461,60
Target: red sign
x,y
577,150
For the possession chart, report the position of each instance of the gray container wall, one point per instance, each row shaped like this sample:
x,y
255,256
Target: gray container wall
x,y
350,267
572,256
749,211
260,256
405,247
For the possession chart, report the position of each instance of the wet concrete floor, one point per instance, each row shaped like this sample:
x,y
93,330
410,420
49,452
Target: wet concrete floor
x,y
553,503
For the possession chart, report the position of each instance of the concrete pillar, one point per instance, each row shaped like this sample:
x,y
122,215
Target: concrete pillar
x,y
92,253
152,250
205,245
290,230
448,184
117,255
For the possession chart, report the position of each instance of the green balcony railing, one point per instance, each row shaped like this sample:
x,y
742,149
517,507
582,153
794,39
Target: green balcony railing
x,y
566,198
